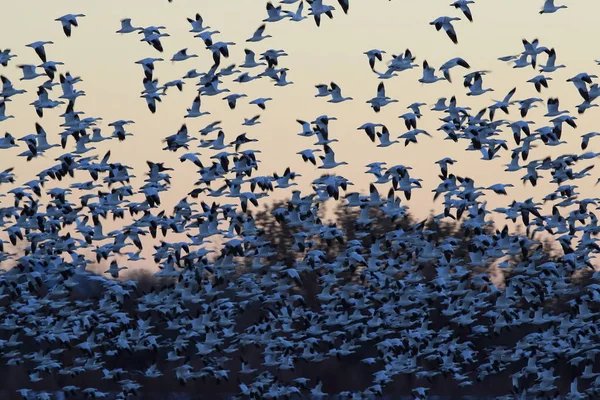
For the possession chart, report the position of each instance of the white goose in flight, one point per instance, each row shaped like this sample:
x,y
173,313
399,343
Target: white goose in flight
x,y
550,8
317,8
298,15
455,62
384,138
250,60
503,104
5,57
258,35
429,74
126,27
369,128
39,48
114,269
261,102
274,14
336,94
476,89
194,111
373,55
411,136
553,108
463,5
381,100
197,24
329,159
445,23
29,72
3,116
551,62
68,21
540,81
182,55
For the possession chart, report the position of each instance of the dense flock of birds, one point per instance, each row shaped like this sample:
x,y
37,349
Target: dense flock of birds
x,y
387,302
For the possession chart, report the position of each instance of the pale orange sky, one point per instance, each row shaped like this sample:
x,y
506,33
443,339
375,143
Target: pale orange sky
x,y
334,51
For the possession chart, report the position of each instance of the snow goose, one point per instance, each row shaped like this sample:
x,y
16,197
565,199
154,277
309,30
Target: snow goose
x,y
233,98
182,55
429,74
197,24
532,49
553,108
7,141
178,83
369,129
153,40
329,159
281,79
250,60
411,136
373,55
381,100
50,68
5,57
68,21
445,68
258,35
29,72
306,128
416,108
440,105
527,104
550,8
114,269
443,164
261,102
580,81
468,78
39,48
44,102
540,81
3,116
585,139
336,94
551,62
317,8
246,77
322,90
445,23
126,26
194,111
503,104
309,155
251,121
296,16
410,120
212,127
475,89
206,36
148,65
384,138
274,14
463,5
219,49
585,105
500,188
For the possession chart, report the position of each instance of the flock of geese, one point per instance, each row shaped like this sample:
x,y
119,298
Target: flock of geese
x,y
373,295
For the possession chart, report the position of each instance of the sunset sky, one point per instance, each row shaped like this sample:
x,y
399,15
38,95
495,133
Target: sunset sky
x,y
333,52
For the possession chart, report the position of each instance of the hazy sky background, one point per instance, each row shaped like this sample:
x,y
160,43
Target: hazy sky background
x,y
113,82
